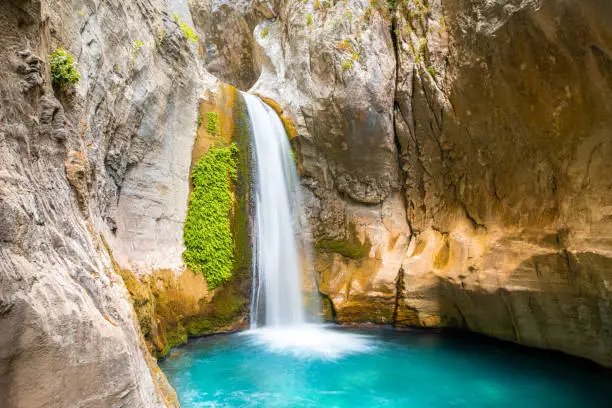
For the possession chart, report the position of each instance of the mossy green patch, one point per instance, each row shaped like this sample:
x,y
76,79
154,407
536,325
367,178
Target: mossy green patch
x,y
174,337
207,234
212,123
227,305
350,247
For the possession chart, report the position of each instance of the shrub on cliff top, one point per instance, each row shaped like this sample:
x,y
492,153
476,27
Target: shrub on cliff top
x,y
207,235
63,68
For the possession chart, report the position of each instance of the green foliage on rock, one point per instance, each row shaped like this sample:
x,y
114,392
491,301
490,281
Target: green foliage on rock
x,y
63,68
208,234
136,47
212,123
188,32
174,337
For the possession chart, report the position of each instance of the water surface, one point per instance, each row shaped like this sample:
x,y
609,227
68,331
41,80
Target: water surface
x,y
338,367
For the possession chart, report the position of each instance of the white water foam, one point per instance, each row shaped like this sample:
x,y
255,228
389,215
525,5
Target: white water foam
x,y
312,341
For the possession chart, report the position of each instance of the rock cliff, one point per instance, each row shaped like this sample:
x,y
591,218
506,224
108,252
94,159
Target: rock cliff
x,y
107,158
453,157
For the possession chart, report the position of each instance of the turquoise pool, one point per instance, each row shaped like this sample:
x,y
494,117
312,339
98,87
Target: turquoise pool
x,y
340,367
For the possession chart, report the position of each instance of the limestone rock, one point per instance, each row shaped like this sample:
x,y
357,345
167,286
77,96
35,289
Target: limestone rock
x,y
73,160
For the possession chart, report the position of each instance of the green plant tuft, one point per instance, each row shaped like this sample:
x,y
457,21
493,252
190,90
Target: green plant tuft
x,y
207,234
136,47
265,32
188,32
63,68
212,123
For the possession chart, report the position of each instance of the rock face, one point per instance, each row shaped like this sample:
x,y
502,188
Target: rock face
x,y
504,119
453,155
108,157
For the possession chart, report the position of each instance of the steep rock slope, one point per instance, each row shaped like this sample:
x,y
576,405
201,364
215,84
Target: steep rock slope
x,y
110,156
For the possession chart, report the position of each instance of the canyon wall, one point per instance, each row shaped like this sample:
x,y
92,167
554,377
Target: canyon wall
x,y
452,153
453,156
89,172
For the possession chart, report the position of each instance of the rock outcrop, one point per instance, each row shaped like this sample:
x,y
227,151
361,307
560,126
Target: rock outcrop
x,y
504,120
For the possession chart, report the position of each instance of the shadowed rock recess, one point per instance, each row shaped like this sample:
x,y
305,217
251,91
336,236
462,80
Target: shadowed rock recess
x,y
454,157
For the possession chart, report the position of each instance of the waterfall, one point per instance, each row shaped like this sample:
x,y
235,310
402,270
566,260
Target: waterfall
x,y
277,293
278,315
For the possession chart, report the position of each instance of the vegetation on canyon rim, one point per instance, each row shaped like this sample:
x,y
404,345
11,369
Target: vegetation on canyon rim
x,y
63,68
208,235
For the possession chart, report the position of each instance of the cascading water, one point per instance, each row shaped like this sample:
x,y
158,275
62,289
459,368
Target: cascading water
x,y
276,285
278,317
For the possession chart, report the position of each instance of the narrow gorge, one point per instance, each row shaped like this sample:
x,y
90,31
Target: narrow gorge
x,y
174,169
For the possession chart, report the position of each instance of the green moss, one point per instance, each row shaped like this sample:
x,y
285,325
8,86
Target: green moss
x,y
174,337
227,306
350,247
344,248
207,234
212,123
265,32
63,68
240,222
